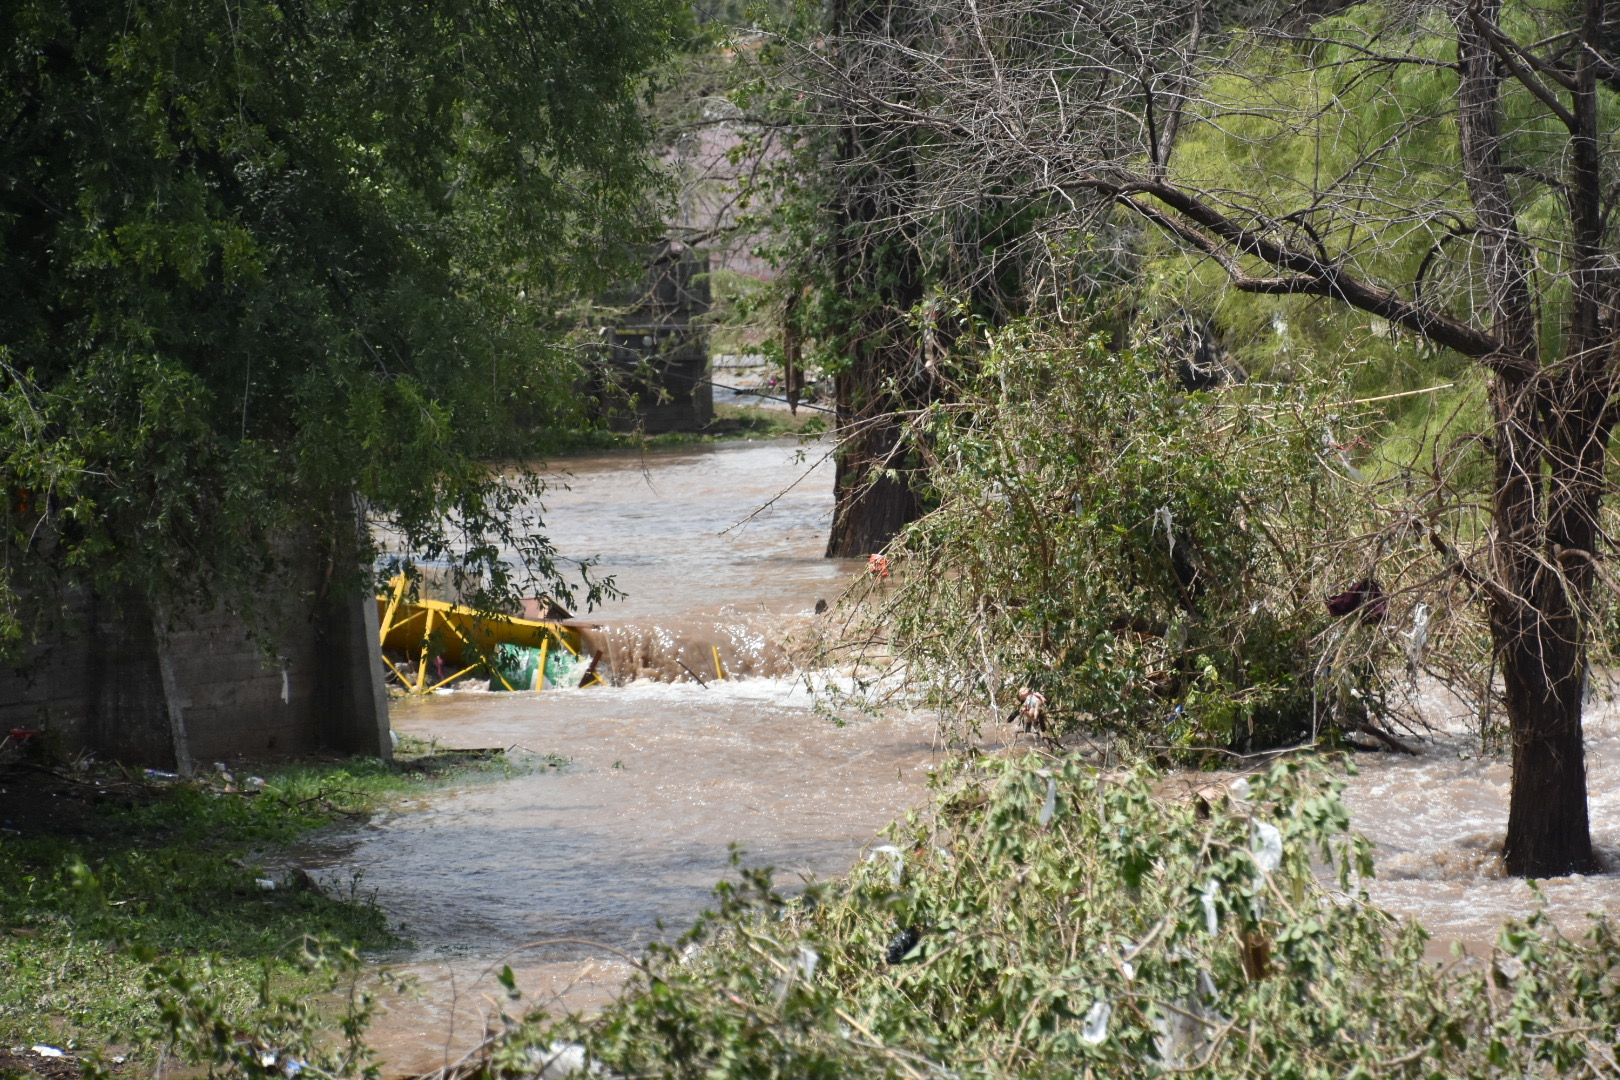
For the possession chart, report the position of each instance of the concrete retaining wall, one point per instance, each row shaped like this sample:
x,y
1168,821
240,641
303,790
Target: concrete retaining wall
x,y
319,688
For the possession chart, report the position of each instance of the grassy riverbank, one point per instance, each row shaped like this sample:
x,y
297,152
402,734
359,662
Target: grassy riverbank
x,y
104,873
731,423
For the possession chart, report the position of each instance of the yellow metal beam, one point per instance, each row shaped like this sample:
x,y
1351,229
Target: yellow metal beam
x,y
393,605
395,669
421,669
477,637
446,682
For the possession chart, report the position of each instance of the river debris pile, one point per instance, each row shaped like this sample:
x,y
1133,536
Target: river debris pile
x,y
43,792
1046,920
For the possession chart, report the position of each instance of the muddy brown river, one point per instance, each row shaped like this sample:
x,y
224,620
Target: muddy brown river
x,y
620,842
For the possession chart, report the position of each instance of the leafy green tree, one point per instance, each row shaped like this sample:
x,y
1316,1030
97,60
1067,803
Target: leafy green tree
x,y
883,221
265,256
849,254
869,265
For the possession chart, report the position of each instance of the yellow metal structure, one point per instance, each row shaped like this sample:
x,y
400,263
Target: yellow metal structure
x,y
466,639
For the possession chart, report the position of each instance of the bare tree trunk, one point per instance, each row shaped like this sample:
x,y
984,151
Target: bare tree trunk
x,y
179,741
874,486
878,275
1548,833
1544,504
1536,627
872,503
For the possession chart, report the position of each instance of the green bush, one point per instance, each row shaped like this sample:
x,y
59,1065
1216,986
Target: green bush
x,y
1153,561
1076,924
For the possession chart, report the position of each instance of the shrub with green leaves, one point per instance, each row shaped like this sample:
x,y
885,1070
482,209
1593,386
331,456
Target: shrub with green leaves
x,y
1151,560
1071,923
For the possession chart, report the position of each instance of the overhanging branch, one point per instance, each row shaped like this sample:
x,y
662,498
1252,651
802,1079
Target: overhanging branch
x,y
1204,227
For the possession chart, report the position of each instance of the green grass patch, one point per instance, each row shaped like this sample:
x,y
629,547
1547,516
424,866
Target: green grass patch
x,y
731,423
97,869
760,423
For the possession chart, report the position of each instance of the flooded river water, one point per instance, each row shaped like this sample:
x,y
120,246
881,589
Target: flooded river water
x,y
1438,821
654,780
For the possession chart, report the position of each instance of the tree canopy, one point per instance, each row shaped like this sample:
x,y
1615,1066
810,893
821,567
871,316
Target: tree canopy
x,y
264,256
